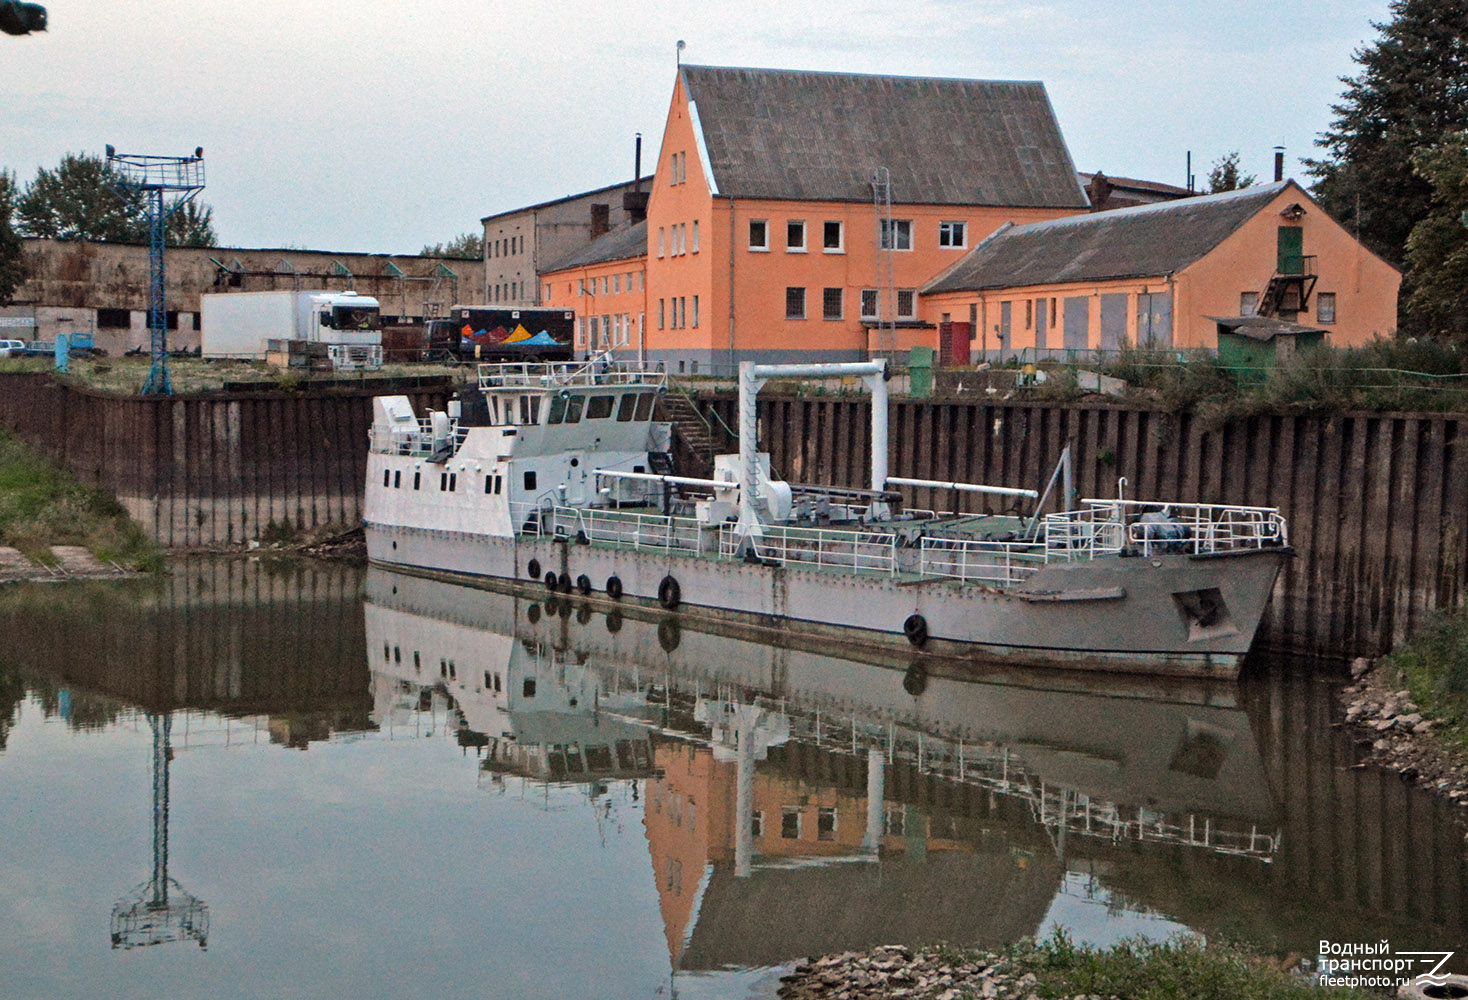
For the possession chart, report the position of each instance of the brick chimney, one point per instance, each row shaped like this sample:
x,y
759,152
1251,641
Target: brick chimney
x,y
1099,191
601,220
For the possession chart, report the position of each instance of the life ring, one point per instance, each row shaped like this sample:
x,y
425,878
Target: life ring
x,y
583,584
670,595
670,635
915,681
916,630
614,622
532,569
551,583
614,587
1422,989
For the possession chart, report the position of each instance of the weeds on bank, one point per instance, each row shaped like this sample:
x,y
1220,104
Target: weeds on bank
x,y
42,505
1433,666
1182,966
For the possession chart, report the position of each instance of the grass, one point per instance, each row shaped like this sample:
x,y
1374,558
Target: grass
x,y
126,375
1180,967
42,505
1433,666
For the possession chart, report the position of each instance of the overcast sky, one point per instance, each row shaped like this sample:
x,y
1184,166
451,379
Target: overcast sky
x,y
379,127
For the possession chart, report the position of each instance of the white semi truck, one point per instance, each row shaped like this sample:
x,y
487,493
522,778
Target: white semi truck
x,y
241,324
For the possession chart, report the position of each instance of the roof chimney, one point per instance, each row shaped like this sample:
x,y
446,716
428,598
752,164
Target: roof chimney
x,y
1278,164
634,202
601,220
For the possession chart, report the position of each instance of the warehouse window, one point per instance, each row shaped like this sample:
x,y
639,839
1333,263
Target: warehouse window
x,y
1325,307
833,237
795,303
896,234
952,234
795,236
114,319
831,302
759,234
868,303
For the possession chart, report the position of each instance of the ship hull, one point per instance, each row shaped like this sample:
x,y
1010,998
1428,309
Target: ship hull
x,y
1168,615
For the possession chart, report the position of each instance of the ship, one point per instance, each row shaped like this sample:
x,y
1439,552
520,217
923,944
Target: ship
x,y
559,477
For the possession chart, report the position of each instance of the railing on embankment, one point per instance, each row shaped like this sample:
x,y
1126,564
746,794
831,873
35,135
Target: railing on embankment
x,y
209,470
1377,502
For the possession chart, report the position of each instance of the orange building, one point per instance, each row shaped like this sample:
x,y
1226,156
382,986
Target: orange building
x,y
1163,275
769,237
605,283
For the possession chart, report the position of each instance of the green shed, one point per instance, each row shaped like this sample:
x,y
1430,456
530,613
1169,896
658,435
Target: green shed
x,y
1262,342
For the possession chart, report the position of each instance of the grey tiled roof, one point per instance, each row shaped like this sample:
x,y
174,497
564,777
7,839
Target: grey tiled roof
x,y
619,244
805,136
1146,241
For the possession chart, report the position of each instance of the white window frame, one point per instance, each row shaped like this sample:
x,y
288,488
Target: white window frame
x,y
901,228
841,311
947,229
660,241
876,296
759,247
911,294
1334,308
695,236
804,244
695,312
804,304
840,246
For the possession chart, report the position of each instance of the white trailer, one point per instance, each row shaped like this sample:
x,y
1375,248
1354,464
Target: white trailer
x,y
240,324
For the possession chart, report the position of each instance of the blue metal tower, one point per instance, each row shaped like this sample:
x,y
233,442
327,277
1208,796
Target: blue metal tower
x,y
168,183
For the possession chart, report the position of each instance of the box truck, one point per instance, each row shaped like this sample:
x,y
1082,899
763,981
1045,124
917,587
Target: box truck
x,y
240,325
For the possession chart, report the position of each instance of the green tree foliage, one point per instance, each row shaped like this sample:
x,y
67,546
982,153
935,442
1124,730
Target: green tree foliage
x,y
467,246
80,200
12,250
1437,250
1226,175
1411,92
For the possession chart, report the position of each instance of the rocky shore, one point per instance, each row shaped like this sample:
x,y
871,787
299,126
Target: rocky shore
x,y
1384,718
895,971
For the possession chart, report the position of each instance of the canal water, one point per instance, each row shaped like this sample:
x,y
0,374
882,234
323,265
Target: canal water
x,y
259,779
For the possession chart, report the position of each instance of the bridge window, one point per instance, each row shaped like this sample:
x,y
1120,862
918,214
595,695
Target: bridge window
x,y
645,401
599,407
626,408
530,480
417,480
386,478
397,479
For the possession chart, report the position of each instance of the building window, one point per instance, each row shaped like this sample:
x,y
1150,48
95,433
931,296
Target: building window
x,y
695,311
757,824
662,314
673,169
896,234
906,303
530,480
833,237
790,823
682,238
826,823
114,319
606,284
1325,307
868,303
795,236
894,822
795,303
759,234
695,236
682,311
1248,303
831,303
617,283
953,234
660,241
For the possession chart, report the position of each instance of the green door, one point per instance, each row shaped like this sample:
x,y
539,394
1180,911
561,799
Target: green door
x,y
1291,250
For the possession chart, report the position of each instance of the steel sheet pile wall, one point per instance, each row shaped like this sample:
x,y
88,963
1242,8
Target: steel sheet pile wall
x,y
200,471
1377,503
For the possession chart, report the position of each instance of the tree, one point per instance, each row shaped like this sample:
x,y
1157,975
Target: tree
x,y
1226,175
1411,92
1437,250
12,250
80,200
467,246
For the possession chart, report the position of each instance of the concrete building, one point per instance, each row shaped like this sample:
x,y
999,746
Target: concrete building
x,y
767,237
1161,274
519,244
103,288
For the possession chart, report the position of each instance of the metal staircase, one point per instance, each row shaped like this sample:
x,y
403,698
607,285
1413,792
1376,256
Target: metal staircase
x,y
696,440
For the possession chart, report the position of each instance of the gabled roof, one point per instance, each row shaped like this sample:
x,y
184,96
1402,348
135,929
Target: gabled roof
x,y
1263,327
1142,242
806,136
627,243
644,181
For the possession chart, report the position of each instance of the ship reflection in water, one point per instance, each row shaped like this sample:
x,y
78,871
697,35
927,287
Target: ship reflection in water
x,y
358,767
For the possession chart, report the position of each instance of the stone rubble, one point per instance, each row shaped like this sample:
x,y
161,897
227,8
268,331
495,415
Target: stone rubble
x,y
1399,736
894,972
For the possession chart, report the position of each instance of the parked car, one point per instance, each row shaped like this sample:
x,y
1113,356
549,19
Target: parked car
x,y
9,347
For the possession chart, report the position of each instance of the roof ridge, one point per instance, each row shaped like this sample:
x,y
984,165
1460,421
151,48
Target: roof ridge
x,y
774,70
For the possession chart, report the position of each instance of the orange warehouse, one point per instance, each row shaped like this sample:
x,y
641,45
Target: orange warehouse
x,y
605,284
1164,274
793,212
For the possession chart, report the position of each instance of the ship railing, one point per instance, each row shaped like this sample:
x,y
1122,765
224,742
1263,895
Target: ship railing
x,y
415,439
995,563
543,375
531,517
1078,535
864,551
1154,527
629,529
